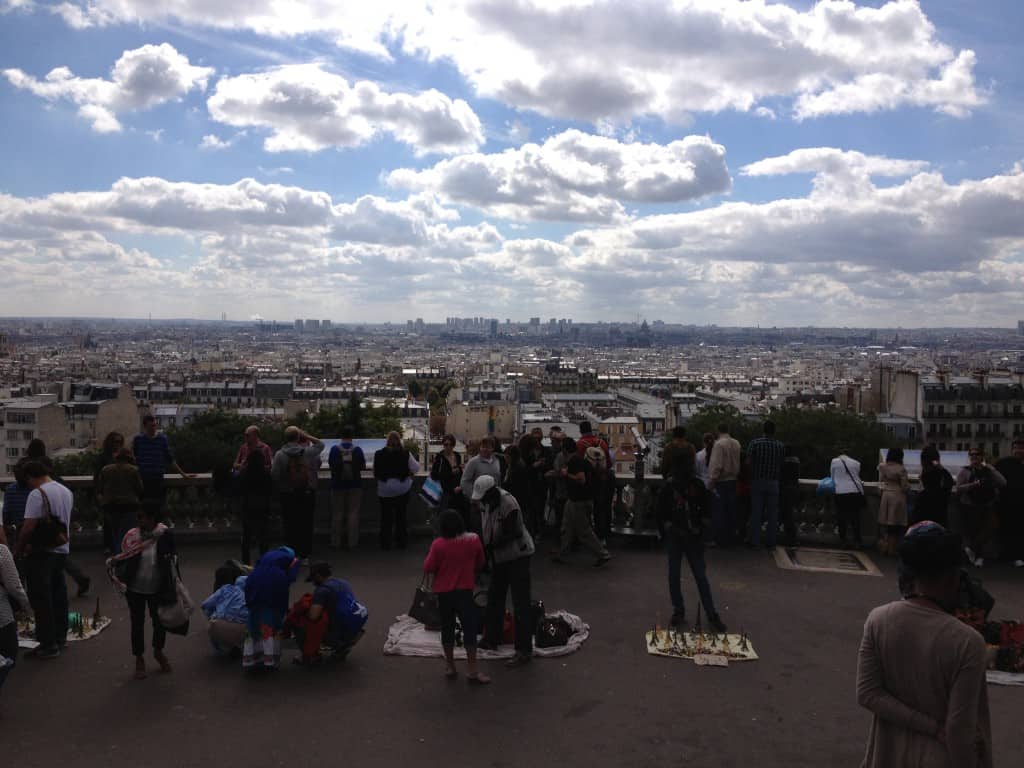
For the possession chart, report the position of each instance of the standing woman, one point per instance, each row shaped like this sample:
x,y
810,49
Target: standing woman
x,y
936,488
447,472
119,489
517,480
112,532
394,468
256,485
11,593
143,573
892,508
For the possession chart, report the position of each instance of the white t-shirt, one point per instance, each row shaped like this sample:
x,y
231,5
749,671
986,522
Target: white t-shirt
x,y
62,501
846,478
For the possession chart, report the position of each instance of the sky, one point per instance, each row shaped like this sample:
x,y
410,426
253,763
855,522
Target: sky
x,y
828,163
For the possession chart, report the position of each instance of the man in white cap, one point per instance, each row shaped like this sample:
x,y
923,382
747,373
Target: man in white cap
x,y
510,547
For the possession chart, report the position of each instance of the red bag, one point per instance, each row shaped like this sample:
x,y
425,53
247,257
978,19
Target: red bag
x,y
1012,634
508,631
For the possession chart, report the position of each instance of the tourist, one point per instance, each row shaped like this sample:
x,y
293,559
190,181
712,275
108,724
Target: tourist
x,y
454,560
702,461
447,472
580,487
112,529
558,493
511,547
330,618
723,472
296,471
1011,503
603,479
892,507
921,671
256,485
153,457
765,455
43,541
538,460
119,490
13,511
937,485
484,463
789,495
394,467
850,500
977,487
347,462
517,481
680,527
266,598
252,444
678,457
144,572
228,618
12,596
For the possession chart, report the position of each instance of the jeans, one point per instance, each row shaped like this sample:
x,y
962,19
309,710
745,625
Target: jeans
x,y
48,594
848,507
723,511
764,497
789,498
514,574
458,602
603,492
254,531
392,520
8,648
677,545
345,505
576,525
297,509
137,605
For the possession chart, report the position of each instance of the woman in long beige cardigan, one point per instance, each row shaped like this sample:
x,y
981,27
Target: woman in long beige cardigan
x,y
892,508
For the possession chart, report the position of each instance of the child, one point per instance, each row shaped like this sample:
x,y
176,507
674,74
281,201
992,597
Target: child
x,y
454,560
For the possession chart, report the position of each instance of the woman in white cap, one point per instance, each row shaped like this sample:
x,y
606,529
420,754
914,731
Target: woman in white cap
x,y
510,547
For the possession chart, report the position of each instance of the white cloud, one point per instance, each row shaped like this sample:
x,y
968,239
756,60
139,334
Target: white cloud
x,y
617,59
575,176
307,108
140,79
212,141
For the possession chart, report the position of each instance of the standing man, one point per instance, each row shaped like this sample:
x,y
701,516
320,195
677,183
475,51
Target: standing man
x,y
921,671
153,456
510,546
845,472
723,471
45,540
252,443
347,462
678,458
604,480
578,474
977,487
765,455
1011,503
295,470
556,483
484,464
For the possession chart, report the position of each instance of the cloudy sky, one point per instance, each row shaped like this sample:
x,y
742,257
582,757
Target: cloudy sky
x,y
826,163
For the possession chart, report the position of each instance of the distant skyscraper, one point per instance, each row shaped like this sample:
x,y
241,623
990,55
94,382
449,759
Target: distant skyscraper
x,y
312,325
298,325
325,324
1020,327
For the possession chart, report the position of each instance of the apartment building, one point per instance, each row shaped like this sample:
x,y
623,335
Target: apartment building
x,y
22,421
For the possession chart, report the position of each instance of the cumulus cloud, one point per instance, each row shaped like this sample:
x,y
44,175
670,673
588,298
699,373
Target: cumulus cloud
x,y
575,176
307,108
617,59
140,79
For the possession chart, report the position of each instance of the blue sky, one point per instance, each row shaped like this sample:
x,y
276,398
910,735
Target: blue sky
x,y
805,163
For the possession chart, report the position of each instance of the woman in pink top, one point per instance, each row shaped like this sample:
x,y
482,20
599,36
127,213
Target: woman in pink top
x,y
453,562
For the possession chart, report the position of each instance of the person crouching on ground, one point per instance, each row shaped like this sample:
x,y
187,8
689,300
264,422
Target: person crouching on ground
x,y
228,618
330,617
142,571
266,597
921,671
454,560
511,548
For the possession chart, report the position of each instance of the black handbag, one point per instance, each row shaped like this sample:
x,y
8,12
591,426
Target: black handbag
x,y
553,632
50,531
425,608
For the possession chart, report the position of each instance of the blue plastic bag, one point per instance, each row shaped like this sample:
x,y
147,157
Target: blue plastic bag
x,y
826,486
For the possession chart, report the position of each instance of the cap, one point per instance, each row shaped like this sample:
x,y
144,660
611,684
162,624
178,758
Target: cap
x,y
483,484
319,569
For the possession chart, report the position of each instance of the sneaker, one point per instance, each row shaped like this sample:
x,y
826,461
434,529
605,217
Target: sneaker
x,y
519,660
716,623
970,554
1018,563
678,619
602,561
83,586
979,563
43,655
5,662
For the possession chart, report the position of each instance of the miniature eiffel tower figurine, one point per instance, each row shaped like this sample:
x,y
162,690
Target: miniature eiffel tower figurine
x,y
97,617
743,640
653,642
698,628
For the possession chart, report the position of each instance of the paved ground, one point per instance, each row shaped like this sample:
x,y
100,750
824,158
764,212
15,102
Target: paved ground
x,y
611,704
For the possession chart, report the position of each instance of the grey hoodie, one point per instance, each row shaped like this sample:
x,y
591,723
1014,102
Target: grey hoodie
x,y
505,545
279,469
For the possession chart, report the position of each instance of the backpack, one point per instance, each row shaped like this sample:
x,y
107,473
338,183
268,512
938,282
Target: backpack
x,y
597,458
347,462
298,471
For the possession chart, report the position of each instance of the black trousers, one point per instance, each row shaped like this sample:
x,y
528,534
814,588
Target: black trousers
x,y
254,531
393,525
789,498
514,575
297,509
137,605
8,648
848,506
458,602
48,594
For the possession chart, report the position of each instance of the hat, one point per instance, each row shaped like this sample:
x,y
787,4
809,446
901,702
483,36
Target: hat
x,y
595,455
319,569
483,484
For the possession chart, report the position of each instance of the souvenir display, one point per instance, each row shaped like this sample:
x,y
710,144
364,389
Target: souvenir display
x,y
706,649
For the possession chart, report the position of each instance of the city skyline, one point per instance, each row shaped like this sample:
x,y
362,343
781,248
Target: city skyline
x,y
744,164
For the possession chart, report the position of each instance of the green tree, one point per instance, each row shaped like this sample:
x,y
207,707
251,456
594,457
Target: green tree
x,y
209,442
415,388
77,464
355,416
379,421
413,446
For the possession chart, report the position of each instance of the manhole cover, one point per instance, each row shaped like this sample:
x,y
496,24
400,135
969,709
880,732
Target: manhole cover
x,y
825,561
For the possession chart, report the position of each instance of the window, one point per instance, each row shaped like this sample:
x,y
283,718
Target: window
x,y
21,418
12,434
942,410
12,453
995,450
960,410
27,434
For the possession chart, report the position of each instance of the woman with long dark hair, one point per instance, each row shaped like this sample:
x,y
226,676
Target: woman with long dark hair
x,y
112,444
394,467
892,508
936,489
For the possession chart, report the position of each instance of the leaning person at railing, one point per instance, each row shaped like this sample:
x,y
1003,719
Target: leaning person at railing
x,y
153,456
295,471
850,499
394,468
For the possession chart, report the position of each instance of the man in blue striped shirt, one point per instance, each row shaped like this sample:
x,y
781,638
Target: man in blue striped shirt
x,y
765,455
153,456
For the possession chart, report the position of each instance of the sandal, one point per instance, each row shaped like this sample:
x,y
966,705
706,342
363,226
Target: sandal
x,y
165,665
451,673
478,679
